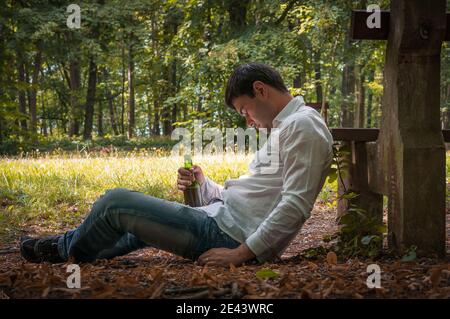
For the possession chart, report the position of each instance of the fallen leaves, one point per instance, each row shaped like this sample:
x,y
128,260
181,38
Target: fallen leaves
x,y
332,258
151,273
436,275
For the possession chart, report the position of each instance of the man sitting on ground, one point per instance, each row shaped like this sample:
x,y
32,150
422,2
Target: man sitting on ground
x,y
254,216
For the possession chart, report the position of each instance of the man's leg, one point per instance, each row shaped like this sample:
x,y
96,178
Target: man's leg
x,y
126,244
123,220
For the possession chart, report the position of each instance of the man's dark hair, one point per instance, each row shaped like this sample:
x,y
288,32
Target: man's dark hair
x,y
243,77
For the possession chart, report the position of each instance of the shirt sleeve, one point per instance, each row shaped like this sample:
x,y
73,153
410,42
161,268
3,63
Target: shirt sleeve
x,y
304,155
210,190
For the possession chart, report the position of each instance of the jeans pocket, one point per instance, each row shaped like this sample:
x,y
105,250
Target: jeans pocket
x,y
219,238
213,237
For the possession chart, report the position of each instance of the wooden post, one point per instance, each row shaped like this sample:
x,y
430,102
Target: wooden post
x,y
356,170
356,179
371,202
411,145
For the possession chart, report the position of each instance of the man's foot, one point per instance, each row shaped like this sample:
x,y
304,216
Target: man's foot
x,y
27,249
37,250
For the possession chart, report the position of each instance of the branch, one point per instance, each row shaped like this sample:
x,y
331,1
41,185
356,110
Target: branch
x,y
9,251
285,12
185,290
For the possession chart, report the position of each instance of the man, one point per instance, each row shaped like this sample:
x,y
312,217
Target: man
x,y
253,217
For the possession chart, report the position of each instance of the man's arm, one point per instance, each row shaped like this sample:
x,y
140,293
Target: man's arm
x,y
305,154
210,190
226,256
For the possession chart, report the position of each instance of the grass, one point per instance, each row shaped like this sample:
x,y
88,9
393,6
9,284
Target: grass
x,y
29,148
55,190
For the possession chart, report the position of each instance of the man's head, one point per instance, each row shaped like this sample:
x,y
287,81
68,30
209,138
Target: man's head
x,y
257,92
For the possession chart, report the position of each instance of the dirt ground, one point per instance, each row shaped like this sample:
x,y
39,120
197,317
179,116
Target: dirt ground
x,y
150,273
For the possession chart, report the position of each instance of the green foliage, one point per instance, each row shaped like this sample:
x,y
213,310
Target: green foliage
x,y
359,234
183,52
266,273
316,252
410,254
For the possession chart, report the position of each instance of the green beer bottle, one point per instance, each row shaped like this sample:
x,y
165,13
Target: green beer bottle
x,y
192,193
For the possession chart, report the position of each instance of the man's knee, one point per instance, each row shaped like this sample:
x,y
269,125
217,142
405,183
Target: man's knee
x,y
112,198
116,191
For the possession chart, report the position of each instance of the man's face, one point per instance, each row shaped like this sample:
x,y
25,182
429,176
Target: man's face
x,y
258,111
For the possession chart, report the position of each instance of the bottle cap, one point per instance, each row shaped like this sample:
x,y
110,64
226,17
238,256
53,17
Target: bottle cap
x,y
187,161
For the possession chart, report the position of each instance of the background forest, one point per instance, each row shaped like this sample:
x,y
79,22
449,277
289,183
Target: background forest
x,y
141,68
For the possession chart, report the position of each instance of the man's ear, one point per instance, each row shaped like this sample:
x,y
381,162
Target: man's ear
x,y
260,89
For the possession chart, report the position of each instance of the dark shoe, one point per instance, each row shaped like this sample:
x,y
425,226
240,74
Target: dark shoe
x,y
39,250
27,249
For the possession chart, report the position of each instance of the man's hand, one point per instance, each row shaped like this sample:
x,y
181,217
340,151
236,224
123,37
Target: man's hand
x,y
226,256
186,177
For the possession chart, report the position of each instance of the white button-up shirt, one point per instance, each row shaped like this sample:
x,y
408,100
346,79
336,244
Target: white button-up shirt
x,y
266,208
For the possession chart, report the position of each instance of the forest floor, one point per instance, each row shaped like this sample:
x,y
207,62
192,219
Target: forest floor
x,y
150,273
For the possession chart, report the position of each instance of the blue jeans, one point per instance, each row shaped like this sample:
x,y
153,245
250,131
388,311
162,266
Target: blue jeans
x,y
122,221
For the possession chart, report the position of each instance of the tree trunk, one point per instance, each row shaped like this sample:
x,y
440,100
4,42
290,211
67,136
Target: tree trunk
x,y
156,95
156,128
44,116
447,113
112,115
131,101
110,99
361,96
149,114
122,124
318,76
75,109
173,81
237,10
347,117
22,96
348,95
100,119
90,100
33,90
1,123
167,111
167,126
199,103
185,111
297,83
370,99
168,114
348,85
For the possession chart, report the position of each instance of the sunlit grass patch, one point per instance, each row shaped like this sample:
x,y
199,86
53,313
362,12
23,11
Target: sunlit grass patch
x,y
58,192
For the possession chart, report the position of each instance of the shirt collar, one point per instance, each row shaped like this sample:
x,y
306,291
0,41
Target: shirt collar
x,y
290,108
